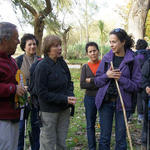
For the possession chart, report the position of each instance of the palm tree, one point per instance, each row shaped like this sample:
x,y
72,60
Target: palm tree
x,y
103,36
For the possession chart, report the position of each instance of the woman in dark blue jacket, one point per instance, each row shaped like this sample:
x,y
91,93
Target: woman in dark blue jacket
x,y
55,95
107,98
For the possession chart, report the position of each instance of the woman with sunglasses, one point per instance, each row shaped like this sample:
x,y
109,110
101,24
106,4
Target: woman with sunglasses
x,y
107,98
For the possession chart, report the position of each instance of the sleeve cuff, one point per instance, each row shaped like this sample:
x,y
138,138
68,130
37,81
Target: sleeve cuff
x,y
12,88
92,80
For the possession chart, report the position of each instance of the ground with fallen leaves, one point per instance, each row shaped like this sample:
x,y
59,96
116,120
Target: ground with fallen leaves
x,y
77,138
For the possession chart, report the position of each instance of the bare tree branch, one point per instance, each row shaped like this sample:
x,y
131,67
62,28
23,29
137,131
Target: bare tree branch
x,y
31,9
48,8
67,30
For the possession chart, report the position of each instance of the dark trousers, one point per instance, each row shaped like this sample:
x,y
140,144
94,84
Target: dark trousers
x,y
140,104
107,112
90,112
146,126
35,131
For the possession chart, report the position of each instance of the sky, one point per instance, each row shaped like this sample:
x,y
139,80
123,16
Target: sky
x,y
106,13
7,14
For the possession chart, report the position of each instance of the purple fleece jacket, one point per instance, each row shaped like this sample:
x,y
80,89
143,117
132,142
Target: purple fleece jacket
x,y
127,84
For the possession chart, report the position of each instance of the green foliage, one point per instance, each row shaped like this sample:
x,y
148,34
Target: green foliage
x,y
27,17
106,49
63,4
78,60
38,6
76,51
103,36
147,26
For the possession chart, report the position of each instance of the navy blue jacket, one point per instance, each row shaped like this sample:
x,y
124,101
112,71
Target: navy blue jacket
x,y
53,85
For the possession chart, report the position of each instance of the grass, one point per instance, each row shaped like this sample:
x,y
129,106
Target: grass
x,y
77,139
78,60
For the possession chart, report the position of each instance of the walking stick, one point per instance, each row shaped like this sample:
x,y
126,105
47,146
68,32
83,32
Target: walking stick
x,y
124,112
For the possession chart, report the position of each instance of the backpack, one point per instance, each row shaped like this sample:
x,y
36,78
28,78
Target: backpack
x,y
31,88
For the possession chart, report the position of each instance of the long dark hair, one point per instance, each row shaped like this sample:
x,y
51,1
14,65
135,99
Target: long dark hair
x,y
123,36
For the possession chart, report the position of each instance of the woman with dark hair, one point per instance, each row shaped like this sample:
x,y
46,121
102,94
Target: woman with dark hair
x,y
88,73
142,55
29,45
107,98
55,95
141,44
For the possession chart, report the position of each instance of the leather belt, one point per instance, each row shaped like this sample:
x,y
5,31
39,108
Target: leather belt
x,y
112,99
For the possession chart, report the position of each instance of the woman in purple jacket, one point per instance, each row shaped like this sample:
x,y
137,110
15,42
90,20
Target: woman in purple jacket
x,y
107,98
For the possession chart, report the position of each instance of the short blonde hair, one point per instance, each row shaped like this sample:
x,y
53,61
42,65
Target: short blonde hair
x,y
48,42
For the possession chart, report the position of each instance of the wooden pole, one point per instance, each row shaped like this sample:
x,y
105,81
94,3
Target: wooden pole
x,y
124,111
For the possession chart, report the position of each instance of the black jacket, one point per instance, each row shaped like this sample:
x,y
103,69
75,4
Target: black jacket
x,y
53,85
145,78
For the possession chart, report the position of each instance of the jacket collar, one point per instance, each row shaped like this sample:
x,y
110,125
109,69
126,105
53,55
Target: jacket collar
x,y
50,61
3,54
141,51
129,56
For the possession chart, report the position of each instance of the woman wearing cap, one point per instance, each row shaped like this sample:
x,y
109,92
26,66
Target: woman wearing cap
x,y
107,98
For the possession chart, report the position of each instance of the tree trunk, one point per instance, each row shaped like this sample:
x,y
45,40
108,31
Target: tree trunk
x,y
137,18
38,32
65,44
38,19
65,40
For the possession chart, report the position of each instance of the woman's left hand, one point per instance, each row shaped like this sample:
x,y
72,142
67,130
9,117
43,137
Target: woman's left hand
x,y
113,73
116,74
88,80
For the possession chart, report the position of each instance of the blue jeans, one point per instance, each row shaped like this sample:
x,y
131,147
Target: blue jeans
x,y
107,112
35,131
90,112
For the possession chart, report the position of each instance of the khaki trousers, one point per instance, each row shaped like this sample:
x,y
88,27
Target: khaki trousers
x,y
54,131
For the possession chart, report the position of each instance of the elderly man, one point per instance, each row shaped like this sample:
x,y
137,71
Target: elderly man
x,y
9,116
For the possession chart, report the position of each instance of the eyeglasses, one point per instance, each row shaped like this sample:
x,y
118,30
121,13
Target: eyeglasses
x,y
117,30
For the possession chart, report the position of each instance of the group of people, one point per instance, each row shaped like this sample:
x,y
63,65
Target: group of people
x,y
131,70
53,86
53,100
